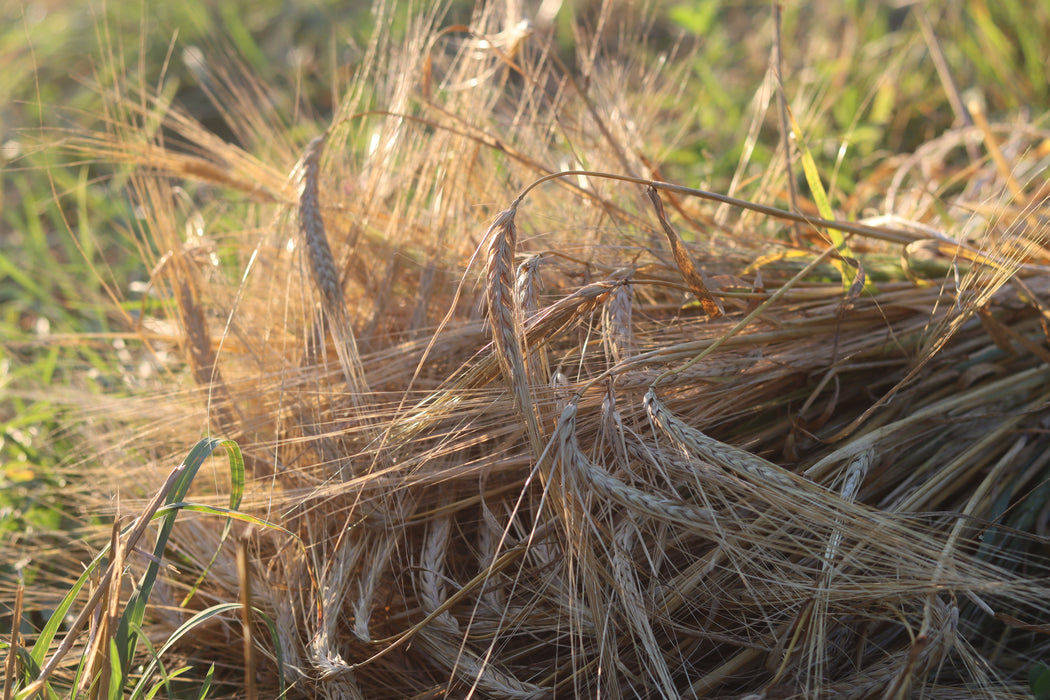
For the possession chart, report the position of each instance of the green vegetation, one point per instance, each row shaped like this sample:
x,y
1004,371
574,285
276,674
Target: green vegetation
x,y
94,370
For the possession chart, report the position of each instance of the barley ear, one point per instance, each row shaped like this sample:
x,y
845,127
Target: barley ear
x,y
527,290
505,319
695,443
323,270
639,503
617,334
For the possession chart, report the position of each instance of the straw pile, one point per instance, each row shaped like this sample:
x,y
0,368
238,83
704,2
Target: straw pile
x,y
602,438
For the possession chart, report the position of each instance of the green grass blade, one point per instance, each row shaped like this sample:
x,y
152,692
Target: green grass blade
x,y
1039,681
116,673
206,683
125,637
232,514
193,461
199,618
168,677
165,676
236,493
135,611
278,653
820,198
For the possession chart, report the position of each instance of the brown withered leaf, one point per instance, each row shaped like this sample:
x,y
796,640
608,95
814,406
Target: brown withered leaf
x,y
685,264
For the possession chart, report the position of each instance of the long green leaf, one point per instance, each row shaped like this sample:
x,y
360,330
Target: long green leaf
x,y
277,650
199,618
232,514
135,611
820,198
116,673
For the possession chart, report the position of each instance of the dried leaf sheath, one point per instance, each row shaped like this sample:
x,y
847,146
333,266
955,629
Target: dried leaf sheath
x,y
685,264
324,273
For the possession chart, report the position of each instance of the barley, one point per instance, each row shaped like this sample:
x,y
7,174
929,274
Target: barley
x,y
616,322
490,538
607,486
323,270
386,542
288,634
856,472
442,636
477,671
893,676
645,557
556,318
431,589
502,310
505,319
635,609
202,357
694,443
612,423
527,286
335,575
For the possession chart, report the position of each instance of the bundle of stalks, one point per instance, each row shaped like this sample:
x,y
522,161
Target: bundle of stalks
x,y
515,432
